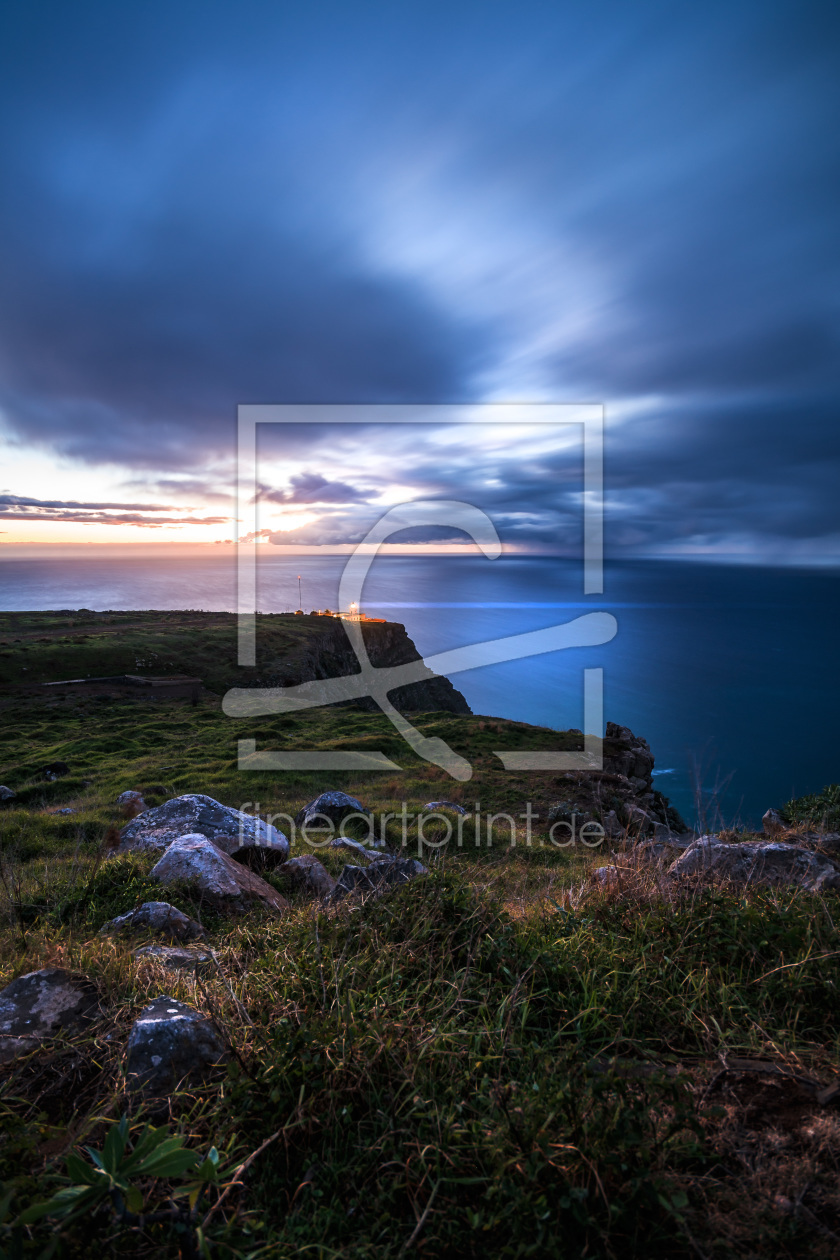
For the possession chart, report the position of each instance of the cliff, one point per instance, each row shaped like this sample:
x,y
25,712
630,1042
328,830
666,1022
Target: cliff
x,y
109,649
327,653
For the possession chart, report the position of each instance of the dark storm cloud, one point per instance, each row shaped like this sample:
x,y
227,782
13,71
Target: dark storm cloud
x,y
309,487
636,204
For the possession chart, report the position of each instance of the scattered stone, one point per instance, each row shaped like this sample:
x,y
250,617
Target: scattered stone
x,y
826,841
306,874
212,873
55,770
564,812
607,876
6,794
331,807
229,829
773,823
376,877
654,852
159,918
342,842
757,862
131,803
175,957
453,805
66,810
40,1003
171,1042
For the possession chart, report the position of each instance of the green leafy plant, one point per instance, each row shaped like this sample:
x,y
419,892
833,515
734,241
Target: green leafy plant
x,y
111,1175
821,808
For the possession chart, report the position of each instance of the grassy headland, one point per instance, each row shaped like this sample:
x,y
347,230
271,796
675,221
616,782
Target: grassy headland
x,y
499,1059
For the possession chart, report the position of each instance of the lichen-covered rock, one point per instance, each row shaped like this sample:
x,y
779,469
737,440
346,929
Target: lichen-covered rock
x,y
158,918
331,807
171,1042
214,875
757,862
230,829
438,805
41,1003
306,874
174,957
6,794
377,876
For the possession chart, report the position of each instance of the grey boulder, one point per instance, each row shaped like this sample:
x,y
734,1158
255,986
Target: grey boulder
x,y
174,957
230,829
195,860
131,803
757,862
438,805
42,1003
331,807
342,842
381,874
171,1042
6,794
158,918
306,874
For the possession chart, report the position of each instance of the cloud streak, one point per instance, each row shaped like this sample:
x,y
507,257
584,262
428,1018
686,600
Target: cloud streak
x,y
631,204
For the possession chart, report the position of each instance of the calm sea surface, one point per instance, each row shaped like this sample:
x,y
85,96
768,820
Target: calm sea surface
x,y
730,673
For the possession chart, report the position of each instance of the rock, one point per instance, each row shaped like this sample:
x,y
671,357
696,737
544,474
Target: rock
x,y
65,811
6,794
212,873
341,842
55,770
564,811
637,820
159,918
131,804
757,862
175,957
41,1003
308,875
773,823
352,879
826,841
627,754
437,805
376,877
607,876
331,806
653,852
170,1042
612,827
229,829
396,870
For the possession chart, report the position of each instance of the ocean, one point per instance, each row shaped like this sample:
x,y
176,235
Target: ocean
x,y
730,672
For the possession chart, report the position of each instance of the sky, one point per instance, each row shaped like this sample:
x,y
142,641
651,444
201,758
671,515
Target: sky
x,y
205,204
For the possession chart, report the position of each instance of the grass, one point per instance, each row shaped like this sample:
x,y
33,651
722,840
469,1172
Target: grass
x,y
500,1059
